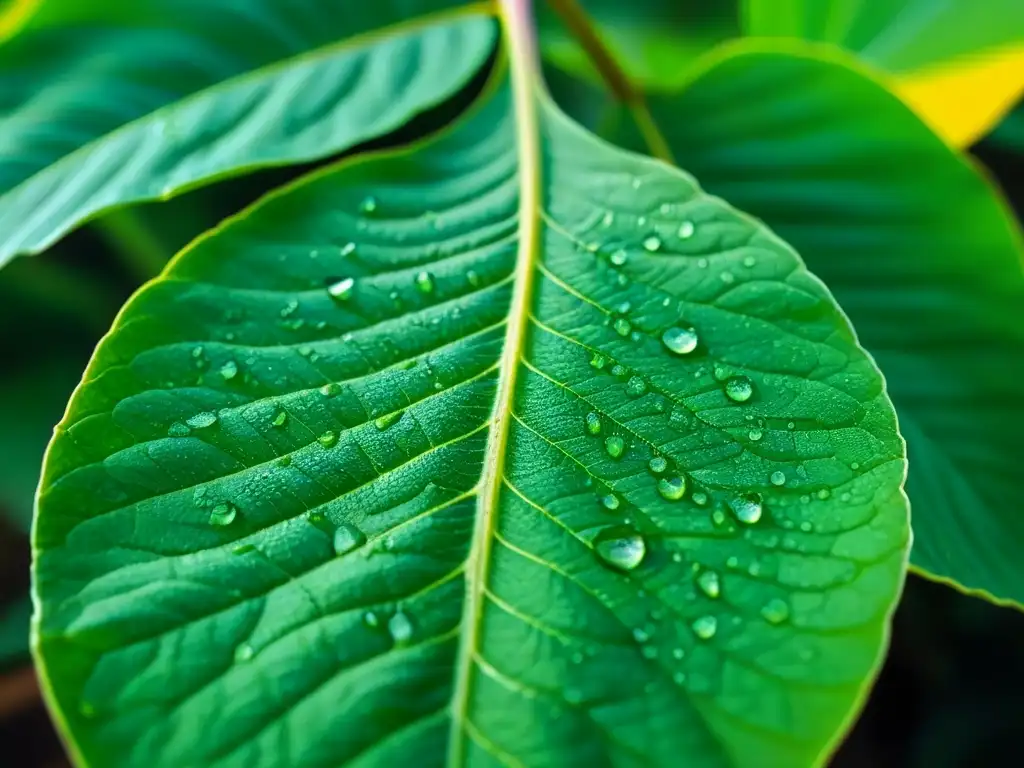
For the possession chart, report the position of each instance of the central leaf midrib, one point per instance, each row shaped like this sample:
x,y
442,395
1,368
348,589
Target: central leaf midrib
x,y
520,46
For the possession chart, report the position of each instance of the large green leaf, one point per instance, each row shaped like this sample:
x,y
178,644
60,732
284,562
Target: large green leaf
x,y
920,251
103,104
508,447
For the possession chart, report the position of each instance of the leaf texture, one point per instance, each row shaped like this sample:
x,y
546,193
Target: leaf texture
x,y
105,104
340,487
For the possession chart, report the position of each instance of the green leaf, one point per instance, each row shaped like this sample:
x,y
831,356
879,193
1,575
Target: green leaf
x,y
1010,132
471,453
104,104
919,250
14,621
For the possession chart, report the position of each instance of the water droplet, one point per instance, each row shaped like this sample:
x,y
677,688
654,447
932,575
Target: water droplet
x,y
347,538
747,508
749,261
593,422
732,562
383,422
710,584
705,627
223,514
652,243
244,549
425,282
806,526
686,230
243,653
201,420
368,205
824,493
727,277
280,419
473,278
658,464
778,477
177,429
681,341
598,362
229,370
608,219
400,627
755,434
672,488
636,386
775,610
327,439
615,446
622,326
700,498
619,370
330,390
624,552
739,389
371,619
611,502
341,290
618,258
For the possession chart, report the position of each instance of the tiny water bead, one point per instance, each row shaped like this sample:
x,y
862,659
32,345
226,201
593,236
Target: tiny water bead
x,y
652,243
201,420
598,362
622,326
705,627
636,386
424,282
400,628
383,422
368,205
680,341
658,464
624,552
709,584
347,249
328,439
618,371
739,389
473,277
615,446
755,434
700,498
746,507
177,429
619,258
672,488
778,477
593,423
229,370
775,611
330,390
686,230
280,419
223,514
611,502
341,290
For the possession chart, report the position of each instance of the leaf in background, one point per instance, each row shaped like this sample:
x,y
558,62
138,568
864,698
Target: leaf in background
x,y
920,251
505,446
959,64
1010,132
649,37
14,621
103,104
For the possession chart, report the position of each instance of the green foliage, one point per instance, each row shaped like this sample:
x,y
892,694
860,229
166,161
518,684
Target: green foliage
x,y
14,620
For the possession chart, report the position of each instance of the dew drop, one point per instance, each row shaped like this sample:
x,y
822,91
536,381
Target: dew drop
x,y
775,610
330,390
615,446
608,219
341,290
244,652
593,423
710,584
727,277
700,498
755,434
400,628
285,461
624,552
598,362
652,243
680,341
778,477
823,494
619,370
280,419
672,488
611,502
636,386
747,508
244,549
658,464
623,307
618,258
686,230
229,370
705,627
368,205
383,422
749,261
371,619
177,429
328,439
223,514
739,389
424,282
201,420
473,278
347,538
622,326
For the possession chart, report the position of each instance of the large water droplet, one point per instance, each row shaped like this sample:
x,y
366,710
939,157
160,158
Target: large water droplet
x,y
672,488
593,422
746,507
201,420
383,422
223,514
328,439
705,627
622,326
229,370
652,243
619,258
400,627
177,429
657,464
341,290
681,341
425,282
775,610
739,388
778,477
624,552
755,434
615,446
709,584
611,502
347,538
636,386
686,230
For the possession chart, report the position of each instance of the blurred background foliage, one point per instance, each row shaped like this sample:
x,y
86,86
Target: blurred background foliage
x,y
950,692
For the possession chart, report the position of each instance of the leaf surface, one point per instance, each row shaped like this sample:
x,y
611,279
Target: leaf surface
x,y
104,104
920,251
472,453
964,53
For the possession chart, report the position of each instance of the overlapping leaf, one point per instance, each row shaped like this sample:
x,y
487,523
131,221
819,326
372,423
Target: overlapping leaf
x,y
103,104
